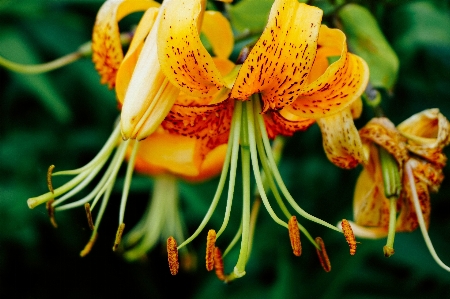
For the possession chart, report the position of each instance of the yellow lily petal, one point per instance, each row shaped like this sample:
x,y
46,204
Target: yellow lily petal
x,y
163,152
279,63
370,206
218,31
149,95
340,85
126,69
341,140
107,51
184,59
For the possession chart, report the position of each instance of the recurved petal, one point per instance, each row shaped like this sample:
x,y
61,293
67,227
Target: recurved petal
x,y
184,59
279,63
429,129
341,140
107,51
382,132
340,85
278,122
218,31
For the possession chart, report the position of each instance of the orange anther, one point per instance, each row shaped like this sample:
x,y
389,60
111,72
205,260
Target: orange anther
x,y
349,236
172,255
210,245
322,254
218,264
294,235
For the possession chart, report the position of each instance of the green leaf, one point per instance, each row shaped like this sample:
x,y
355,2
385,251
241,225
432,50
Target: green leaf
x,y
16,48
250,15
365,39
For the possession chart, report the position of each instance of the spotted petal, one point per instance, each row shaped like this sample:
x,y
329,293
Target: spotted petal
x,y
341,140
341,84
280,61
184,59
107,51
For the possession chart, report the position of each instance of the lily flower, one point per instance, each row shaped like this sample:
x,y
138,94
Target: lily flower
x,y
143,90
416,147
164,154
288,70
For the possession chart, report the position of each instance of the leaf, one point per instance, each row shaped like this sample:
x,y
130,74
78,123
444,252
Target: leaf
x,y
366,39
250,15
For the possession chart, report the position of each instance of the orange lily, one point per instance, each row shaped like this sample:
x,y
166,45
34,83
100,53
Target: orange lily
x,y
289,68
416,145
143,90
165,155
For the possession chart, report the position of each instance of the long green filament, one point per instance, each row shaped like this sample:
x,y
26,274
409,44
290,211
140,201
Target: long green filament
x,y
279,180
233,242
40,68
419,214
253,217
239,269
234,160
160,220
127,183
232,142
388,249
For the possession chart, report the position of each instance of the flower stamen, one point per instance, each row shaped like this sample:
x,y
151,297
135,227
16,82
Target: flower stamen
x,y
218,264
172,256
294,236
118,236
349,236
210,245
89,245
87,208
322,254
51,212
423,227
49,178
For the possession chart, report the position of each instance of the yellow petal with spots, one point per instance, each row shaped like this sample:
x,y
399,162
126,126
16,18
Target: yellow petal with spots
x,y
341,84
184,59
279,63
341,140
107,51
218,31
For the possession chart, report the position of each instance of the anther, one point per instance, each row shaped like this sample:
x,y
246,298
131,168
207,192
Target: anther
x,y
218,264
51,212
87,207
349,236
294,235
322,254
49,178
388,251
89,245
172,255
118,236
210,245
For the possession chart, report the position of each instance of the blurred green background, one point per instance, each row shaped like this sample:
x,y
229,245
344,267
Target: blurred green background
x,y
65,116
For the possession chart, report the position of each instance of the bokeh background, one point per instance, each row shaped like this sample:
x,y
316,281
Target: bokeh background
x,y
65,116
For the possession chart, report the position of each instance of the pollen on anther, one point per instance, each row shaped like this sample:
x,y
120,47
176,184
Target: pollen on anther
x,y
118,236
218,264
349,236
89,245
51,212
322,254
210,245
172,255
294,236
49,178
87,207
